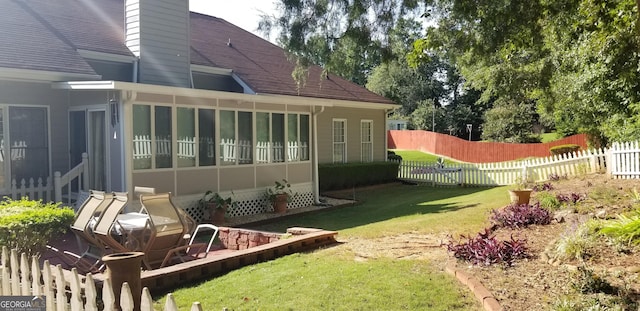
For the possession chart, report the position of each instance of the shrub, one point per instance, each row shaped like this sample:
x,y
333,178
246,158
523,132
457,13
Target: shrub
x,y
542,187
556,177
485,249
578,241
604,194
27,225
562,149
548,200
348,175
625,229
571,198
587,282
518,216
392,156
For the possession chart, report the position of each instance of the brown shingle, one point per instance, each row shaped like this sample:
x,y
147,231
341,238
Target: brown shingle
x,y
49,41
27,43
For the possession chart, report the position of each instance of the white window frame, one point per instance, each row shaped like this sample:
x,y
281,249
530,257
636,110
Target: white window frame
x,y
366,141
342,143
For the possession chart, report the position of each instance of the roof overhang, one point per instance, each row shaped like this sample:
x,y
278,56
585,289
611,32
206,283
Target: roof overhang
x,y
16,74
93,55
178,91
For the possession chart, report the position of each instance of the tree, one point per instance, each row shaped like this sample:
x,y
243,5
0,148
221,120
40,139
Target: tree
x,y
595,86
575,60
463,110
347,37
427,116
510,122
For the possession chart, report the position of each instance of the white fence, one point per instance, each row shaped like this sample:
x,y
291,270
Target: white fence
x,y
57,189
20,276
18,150
623,160
231,151
504,173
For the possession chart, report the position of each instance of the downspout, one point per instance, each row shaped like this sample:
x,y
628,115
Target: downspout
x,y
136,63
314,162
386,134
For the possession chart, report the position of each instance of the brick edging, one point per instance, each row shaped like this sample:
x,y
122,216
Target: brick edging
x,y
481,293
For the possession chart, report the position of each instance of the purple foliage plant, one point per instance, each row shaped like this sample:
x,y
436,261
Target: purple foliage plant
x,y
571,198
519,216
484,249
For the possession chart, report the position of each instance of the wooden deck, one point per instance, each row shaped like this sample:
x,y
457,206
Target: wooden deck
x,y
218,261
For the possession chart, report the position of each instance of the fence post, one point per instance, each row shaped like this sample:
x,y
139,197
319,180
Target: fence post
x,y
525,172
85,171
57,188
609,161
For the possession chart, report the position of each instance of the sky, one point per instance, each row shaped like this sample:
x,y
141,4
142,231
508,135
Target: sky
x,y
242,13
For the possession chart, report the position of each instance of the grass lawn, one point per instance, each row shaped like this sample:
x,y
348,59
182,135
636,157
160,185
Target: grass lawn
x,y
330,278
548,137
413,155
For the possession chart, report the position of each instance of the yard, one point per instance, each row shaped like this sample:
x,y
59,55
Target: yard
x,y
392,256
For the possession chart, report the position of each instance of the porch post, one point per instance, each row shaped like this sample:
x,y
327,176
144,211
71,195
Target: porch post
x,y
314,160
85,171
57,188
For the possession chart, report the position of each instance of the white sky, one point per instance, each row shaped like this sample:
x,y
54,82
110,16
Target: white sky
x,y
242,13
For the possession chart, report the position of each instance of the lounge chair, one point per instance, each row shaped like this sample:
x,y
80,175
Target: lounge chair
x,y
105,230
168,227
87,216
192,250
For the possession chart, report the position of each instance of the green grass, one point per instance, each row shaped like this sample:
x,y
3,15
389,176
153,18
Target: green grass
x,y
330,279
318,281
403,208
413,155
548,137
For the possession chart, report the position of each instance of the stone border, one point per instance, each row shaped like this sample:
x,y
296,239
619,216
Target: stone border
x,y
488,301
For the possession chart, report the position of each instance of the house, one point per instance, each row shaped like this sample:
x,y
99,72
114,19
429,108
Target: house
x,y
393,124
162,97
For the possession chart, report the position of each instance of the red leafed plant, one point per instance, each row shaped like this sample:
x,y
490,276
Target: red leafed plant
x,y
485,249
519,216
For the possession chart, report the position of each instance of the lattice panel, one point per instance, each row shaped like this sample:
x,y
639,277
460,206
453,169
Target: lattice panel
x,y
190,205
253,201
250,202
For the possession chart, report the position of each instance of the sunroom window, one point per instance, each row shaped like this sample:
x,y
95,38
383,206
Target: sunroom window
x,y
270,137
207,137
236,138
148,145
186,149
298,137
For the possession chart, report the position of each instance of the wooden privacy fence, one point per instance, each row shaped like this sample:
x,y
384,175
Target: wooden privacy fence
x,y
503,173
67,290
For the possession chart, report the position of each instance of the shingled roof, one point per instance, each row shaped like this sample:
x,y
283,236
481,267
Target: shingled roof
x,y
46,35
